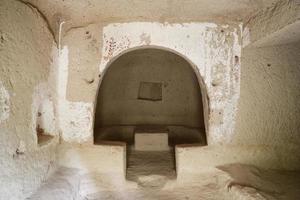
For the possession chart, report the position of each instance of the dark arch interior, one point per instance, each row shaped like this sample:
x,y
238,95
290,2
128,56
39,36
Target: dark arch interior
x,y
153,90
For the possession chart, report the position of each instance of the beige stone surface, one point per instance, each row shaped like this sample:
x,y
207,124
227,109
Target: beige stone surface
x,y
212,49
96,11
144,141
193,159
106,157
27,54
276,25
49,92
227,182
63,185
84,45
269,111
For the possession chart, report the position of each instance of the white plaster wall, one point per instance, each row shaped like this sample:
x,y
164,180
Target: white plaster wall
x,y
27,54
214,50
75,118
4,103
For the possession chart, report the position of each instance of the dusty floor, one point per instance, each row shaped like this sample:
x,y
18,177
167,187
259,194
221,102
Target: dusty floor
x,y
151,175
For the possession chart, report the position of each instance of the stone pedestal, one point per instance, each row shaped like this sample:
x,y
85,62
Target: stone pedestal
x,y
151,141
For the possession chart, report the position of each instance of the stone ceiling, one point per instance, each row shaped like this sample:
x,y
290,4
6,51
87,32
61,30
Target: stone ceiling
x,y
83,12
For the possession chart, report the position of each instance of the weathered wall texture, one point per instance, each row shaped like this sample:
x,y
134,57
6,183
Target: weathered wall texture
x,y
276,25
118,102
269,107
26,99
268,118
267,127
103,158
116,11
213,50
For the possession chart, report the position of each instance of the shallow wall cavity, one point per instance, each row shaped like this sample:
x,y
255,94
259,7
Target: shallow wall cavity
x,y
153,89
27,99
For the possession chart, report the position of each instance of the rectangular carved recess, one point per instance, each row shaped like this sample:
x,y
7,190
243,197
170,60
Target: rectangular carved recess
x,y
151,91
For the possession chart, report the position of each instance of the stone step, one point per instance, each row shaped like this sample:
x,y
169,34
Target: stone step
x,y
151,169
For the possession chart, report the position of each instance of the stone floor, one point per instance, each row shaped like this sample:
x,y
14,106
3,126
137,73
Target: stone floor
x,y
151,175
151,169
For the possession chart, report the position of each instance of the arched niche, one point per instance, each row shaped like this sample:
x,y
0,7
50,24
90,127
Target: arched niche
x,y
179,101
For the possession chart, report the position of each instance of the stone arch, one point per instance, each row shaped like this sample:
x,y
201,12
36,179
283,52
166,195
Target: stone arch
x,y
202,85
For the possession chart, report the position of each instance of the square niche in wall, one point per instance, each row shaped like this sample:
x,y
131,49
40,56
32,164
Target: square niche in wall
x,y
151,91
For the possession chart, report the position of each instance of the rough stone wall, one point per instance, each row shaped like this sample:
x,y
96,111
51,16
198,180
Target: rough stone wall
x,y
99,11
267,127
269,106
276,25
213,50
27,98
